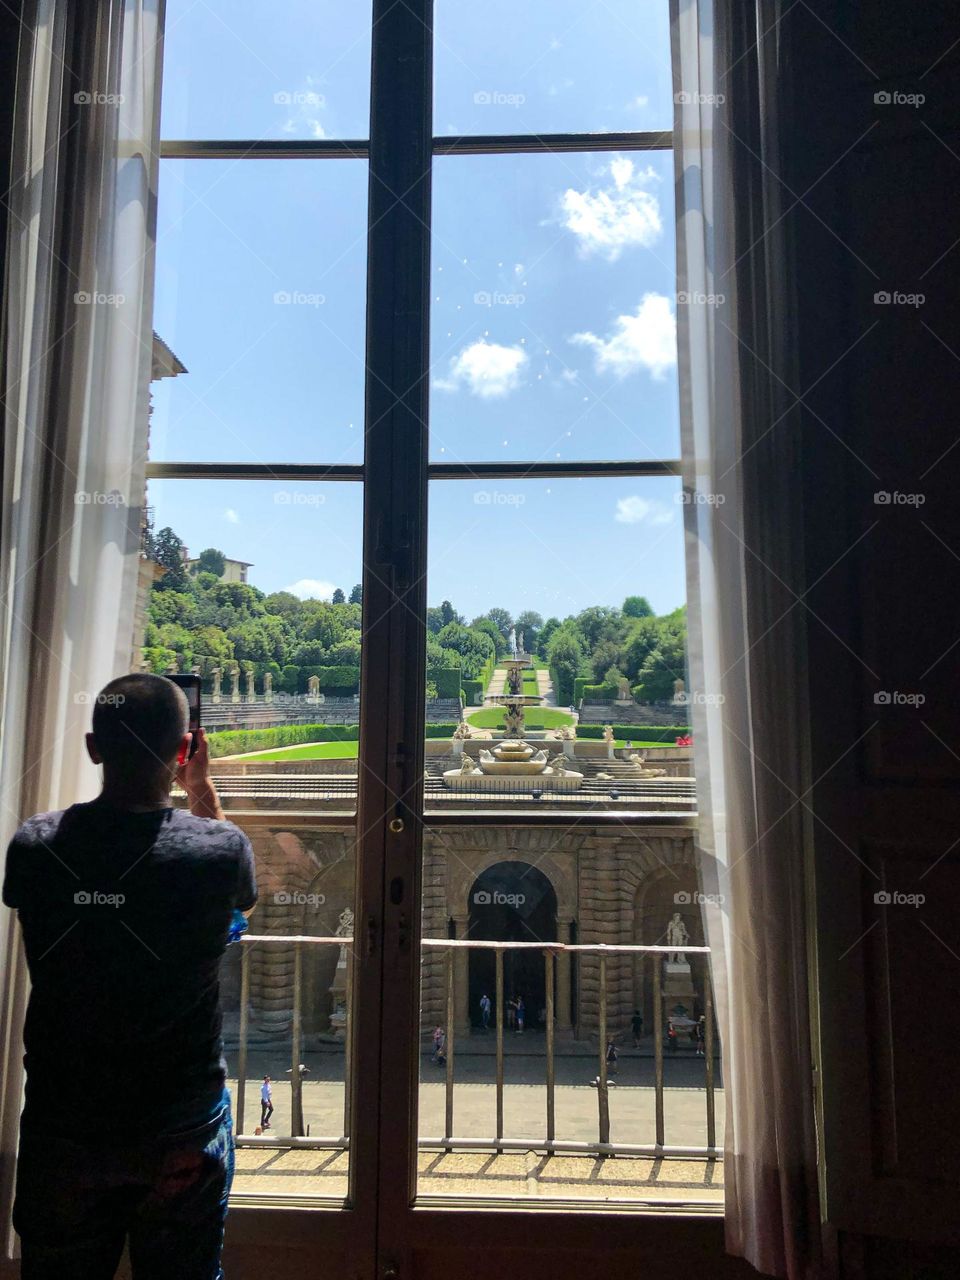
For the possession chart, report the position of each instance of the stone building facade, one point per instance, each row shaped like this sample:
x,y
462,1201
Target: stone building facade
x,y
588,884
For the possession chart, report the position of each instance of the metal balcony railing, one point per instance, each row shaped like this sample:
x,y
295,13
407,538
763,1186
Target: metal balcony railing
x,y
497,1141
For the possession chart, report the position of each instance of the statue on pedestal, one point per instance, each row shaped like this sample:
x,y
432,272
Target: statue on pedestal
x,y
313,688
235,685
251,686
217,674
466,765
677,936
268,686
559,765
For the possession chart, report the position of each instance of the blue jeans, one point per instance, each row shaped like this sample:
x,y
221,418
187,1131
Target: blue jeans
x,y
77,1203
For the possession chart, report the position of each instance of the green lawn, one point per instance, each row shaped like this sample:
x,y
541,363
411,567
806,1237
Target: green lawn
x,y
310,751
534,718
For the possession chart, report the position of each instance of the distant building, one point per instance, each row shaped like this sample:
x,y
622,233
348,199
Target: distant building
x,y
233,570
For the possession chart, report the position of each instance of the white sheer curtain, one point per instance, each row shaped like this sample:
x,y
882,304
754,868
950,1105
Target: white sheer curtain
x,y
78,353
746,659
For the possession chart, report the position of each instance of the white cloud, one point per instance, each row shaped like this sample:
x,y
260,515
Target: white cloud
x,y
487,369
636,510
311,589
615,217
231,516
646,340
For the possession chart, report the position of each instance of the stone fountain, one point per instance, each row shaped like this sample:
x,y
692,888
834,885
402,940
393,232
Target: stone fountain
x,y
513,757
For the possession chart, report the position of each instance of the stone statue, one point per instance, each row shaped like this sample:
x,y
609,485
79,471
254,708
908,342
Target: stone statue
x,y
540,757
513,641
217,674
559,765
487,757
466,765
344,927
677,936
313,688
679,691
235,685
268,686
462,730
623,690
608,733
251,687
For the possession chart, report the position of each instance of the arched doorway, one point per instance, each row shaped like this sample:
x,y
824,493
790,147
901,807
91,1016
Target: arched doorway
x,y
511,902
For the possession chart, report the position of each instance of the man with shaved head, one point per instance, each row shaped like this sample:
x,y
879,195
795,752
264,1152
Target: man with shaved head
x,y
126,905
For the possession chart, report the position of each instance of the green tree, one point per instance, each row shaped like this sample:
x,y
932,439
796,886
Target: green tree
x,y
546,633
211,642
641,642
490,628
211,561
448,614
637,607
502,620
604,656
338,597
172,606
529,624
356,595
565,656
284,603
474,647
168,552
598,623
662,666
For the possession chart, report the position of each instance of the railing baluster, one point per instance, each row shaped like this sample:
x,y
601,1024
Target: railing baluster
x,y
708,1051
658,1045
451,977
548,968
296,1079
244,1032
602,1094
498,955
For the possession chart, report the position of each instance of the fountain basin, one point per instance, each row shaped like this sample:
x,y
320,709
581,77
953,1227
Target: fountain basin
x,y
458,781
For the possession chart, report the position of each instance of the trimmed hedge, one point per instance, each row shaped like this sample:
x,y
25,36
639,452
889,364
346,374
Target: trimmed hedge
x,y
234,742
667,734
447,680
470,690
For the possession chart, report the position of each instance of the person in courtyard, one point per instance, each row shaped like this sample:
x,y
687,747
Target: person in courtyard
x,y
521,1014
701,1036
511,1014
439,1056
266,1102
485,1011
671,1037
612,1057
126,905
636,1025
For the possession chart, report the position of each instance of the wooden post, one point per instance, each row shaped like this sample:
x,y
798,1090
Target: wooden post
x,y
498,954
602,1094
548,965
244,1033
451,978
296,1080
658,1044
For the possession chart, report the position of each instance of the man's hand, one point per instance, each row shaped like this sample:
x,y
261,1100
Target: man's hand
x,y
194,777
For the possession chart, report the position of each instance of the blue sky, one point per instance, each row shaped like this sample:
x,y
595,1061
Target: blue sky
x,y
552,307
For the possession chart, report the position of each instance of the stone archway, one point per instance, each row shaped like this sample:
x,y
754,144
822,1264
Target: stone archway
x,y
510,901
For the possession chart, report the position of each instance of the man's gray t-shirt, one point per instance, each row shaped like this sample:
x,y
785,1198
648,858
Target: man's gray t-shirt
x,y
125,919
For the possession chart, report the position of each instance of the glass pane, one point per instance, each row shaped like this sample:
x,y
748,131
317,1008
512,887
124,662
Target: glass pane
x,y
298,1011
565,642
513,925
260,300
299,69
563,67
276,639
553,308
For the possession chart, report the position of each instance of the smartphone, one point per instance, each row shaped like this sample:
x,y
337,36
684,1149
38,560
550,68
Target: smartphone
x,y
191,687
